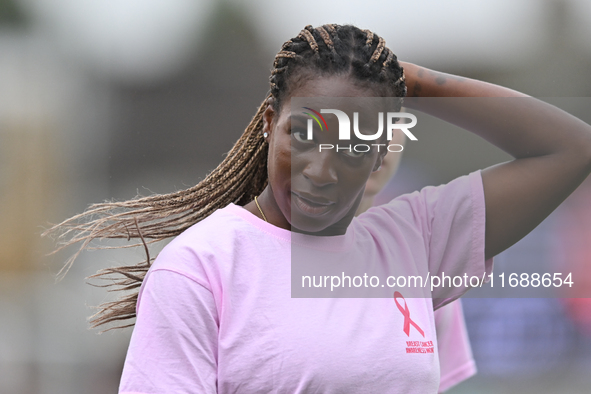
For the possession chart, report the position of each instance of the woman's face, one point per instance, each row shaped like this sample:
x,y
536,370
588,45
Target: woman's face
x,y
317,191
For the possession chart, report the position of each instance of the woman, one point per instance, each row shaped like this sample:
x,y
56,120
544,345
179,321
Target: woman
x,y
214,313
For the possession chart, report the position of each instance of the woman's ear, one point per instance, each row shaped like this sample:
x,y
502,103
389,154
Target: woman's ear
x,y
268,116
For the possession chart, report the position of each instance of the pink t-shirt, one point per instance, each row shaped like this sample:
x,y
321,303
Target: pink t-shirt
x,y
215,313
455,354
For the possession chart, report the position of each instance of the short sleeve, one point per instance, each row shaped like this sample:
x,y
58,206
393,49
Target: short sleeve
x,y
451,219
455,354
173,347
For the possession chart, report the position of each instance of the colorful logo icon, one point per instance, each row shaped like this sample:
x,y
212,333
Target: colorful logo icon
x,y
314,116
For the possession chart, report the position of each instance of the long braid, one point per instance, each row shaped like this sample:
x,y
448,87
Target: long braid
x,y
242,175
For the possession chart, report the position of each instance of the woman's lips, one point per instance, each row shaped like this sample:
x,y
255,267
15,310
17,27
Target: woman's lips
x,y
310,207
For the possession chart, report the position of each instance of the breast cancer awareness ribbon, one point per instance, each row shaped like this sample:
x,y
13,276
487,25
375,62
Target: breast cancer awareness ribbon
x,y
406,313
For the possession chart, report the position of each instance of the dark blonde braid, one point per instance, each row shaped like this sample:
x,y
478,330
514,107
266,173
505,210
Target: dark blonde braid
x,y
242,175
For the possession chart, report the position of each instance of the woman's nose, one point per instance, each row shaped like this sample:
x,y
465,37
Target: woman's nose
x,y
321,170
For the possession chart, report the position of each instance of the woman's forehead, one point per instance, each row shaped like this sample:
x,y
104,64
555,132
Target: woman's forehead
x,y
332,86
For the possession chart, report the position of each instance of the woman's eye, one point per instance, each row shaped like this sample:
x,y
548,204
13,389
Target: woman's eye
x,y
300,136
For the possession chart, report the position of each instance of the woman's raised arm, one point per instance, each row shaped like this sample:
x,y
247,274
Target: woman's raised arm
x,y
552,149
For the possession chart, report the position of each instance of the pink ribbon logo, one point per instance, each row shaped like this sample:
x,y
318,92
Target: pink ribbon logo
x,y
406,313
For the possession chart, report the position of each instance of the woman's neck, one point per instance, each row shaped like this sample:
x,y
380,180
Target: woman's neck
x,y
366,203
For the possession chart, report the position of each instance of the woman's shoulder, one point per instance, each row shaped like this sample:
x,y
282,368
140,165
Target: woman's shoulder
x,y
220,225
458,200
230,239
204,241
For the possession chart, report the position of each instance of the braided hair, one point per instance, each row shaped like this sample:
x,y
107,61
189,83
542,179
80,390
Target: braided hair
x,y
326,50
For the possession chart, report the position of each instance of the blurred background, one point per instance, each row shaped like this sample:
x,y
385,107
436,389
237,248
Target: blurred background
x,y
107,99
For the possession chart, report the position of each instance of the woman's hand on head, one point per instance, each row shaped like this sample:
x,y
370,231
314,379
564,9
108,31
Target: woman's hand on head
x,y
551,149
